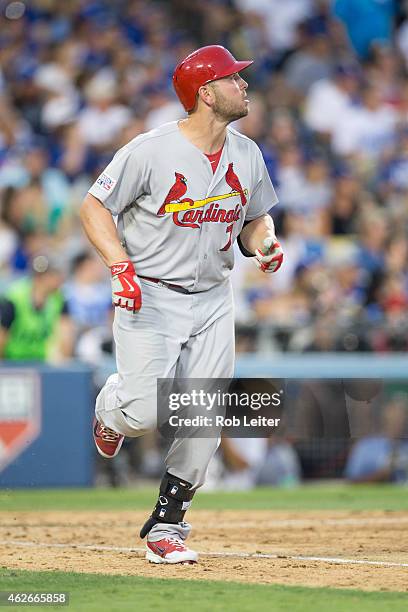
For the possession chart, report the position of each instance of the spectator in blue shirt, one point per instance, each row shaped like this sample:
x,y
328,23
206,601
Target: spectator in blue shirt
x,y
382,457
366,22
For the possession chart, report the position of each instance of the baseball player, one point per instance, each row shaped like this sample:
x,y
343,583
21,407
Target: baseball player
x,y
182,194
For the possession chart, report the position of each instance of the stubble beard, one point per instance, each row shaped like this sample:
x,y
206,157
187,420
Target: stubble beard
x,y
226,111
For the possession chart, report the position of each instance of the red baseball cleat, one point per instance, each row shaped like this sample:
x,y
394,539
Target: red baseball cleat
x,y
107,441
170,550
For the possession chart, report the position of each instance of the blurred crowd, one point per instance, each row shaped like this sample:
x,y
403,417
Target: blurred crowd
x,y
329,110
328,433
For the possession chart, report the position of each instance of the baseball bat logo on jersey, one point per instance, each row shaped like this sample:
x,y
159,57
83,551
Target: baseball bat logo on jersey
x,y
175,203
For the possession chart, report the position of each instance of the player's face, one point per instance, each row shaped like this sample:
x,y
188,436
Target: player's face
x,y
231,102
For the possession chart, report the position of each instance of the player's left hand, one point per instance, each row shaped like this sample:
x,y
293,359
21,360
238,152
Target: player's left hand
x,y
271,257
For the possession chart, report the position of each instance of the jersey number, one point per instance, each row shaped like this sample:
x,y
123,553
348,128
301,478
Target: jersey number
x,y
229,231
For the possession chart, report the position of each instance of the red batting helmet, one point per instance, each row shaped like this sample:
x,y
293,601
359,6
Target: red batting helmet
x,y
200,67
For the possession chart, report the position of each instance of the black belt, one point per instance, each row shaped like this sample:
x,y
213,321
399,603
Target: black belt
x,y
177,288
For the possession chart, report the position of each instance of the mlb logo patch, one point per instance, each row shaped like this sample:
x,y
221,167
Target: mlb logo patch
x,y
106,182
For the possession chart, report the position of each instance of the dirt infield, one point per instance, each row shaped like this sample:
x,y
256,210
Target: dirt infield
x,y
57,541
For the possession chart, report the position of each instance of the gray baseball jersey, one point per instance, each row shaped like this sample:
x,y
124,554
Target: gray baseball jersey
x,y
177,220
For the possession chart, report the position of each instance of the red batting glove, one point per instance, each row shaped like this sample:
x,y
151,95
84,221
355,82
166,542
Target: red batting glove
x,y
270,259
126,291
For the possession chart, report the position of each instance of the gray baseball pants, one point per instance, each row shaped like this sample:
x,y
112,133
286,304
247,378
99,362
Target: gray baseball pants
x,y
172,336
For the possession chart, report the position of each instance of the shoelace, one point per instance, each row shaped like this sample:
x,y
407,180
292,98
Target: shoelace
x,y
176,543
108,435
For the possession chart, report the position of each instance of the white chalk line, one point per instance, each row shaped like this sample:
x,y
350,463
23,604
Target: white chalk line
x,y
234,555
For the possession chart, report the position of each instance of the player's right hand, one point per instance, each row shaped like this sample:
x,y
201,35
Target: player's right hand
x,y
126,292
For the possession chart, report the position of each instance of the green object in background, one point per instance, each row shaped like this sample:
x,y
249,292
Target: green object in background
x,y
31,331
307,497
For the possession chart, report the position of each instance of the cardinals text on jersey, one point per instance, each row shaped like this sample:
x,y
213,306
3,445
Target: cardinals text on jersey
x,y
193,210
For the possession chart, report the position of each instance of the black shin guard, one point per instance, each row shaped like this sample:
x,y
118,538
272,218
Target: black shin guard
x,y
175,496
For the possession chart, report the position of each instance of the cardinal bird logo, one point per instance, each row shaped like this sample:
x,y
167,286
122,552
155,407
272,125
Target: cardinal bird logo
x,y
234,183
176,192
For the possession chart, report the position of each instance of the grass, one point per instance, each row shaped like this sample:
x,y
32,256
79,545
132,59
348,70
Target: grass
x,y
95,592
308,497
